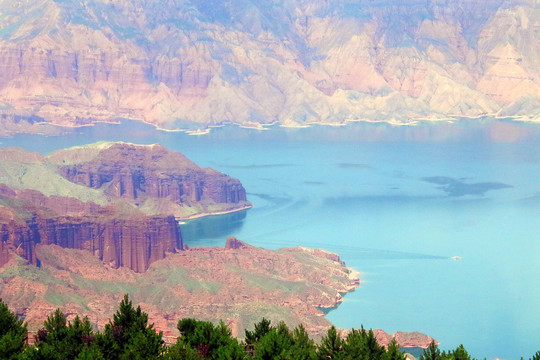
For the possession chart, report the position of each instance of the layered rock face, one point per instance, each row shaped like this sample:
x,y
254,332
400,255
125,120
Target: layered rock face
x,y
233,243
20,239
133,243
133,172
294,62
118,201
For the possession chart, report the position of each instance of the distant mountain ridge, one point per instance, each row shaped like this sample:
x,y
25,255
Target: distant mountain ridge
x,y
193,64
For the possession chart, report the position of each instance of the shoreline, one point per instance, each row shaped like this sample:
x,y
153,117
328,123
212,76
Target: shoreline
x,y
214,213
354,277
206,128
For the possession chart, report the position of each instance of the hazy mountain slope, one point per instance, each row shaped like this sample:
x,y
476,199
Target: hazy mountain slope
x,y
177,63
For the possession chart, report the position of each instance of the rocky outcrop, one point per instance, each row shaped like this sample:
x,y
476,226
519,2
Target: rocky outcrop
x,y
235,244
4,252
239,286
148,178
138,173
413,339
131,243
403,339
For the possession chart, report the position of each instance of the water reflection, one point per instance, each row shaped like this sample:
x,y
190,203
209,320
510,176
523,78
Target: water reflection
x,y
195,232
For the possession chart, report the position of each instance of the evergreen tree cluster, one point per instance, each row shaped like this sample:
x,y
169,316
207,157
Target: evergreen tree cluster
x,y
129,336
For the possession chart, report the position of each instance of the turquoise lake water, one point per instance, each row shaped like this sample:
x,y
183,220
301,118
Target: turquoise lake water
x,y
396,203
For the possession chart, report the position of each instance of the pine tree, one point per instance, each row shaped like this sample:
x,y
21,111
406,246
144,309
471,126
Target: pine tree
x,y
129,336
13,333
331,345
181,351
60,340
354,346
460,354
261,328
393,352
187,327
375,351
56,326
275,344
432,352
204,340
302,348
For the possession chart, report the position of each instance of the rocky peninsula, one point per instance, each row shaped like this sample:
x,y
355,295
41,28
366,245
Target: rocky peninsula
x,y
238,283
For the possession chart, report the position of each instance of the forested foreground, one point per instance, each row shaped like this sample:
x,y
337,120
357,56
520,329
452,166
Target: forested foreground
x,y
129,336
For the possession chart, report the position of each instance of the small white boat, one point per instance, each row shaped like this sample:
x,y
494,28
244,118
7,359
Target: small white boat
x,y
456,258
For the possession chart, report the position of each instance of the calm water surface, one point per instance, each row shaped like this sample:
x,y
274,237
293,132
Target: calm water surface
x,y
396,203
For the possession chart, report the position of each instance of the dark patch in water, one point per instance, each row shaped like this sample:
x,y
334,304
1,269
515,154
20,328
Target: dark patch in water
x,y
314,183
271,180
354,166
380,254
258,166
457,187
276,200
347,201
531,200
216,226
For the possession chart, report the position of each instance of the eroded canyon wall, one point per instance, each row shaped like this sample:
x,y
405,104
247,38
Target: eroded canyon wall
x,y
134,243
133,172
294,63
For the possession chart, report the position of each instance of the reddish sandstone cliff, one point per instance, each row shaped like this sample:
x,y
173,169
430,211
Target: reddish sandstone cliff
x,y
237,285
131,243
138,173
134,243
